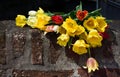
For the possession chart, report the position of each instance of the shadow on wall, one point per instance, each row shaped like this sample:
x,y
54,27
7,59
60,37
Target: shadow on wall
x,y
9,9
108,67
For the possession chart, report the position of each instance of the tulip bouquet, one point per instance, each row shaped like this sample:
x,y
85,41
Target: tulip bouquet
x,y
89,29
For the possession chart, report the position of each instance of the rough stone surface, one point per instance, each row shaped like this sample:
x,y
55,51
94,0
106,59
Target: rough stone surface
x,y
2,57
2,43
26,52
2,39
18,42
37,47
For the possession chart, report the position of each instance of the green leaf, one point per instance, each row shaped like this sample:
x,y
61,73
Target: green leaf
x,y
94,13
79,7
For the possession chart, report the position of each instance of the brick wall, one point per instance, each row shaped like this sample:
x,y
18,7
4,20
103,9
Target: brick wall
x,y
26,52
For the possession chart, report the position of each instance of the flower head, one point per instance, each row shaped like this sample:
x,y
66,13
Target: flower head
x,y
63,39
81,14
101,24
94,38
20,20
42,20
80,47
92,64
90,23
57,19
70,26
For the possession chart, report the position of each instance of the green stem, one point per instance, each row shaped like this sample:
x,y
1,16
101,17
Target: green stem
x,y
89,52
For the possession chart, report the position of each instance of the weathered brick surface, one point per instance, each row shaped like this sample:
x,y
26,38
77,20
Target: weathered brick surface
x,y
48,58
18,42
35,73
37,47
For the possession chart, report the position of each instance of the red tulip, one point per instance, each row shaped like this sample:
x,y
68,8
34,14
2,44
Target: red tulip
x,y
81,14
57,19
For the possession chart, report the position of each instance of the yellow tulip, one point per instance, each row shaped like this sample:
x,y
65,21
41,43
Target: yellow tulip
x,y
94,39
63,39
101,24
20,20
70,26
42,20
80,47
90,24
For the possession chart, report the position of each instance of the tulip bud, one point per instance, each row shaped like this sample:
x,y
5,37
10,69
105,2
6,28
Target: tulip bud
x,y
92,64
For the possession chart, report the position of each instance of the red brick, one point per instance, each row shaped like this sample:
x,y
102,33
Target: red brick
x,y
18,43
37,48
35,73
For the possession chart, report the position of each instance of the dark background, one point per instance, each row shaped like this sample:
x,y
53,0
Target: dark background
x,y
10,8
110,9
